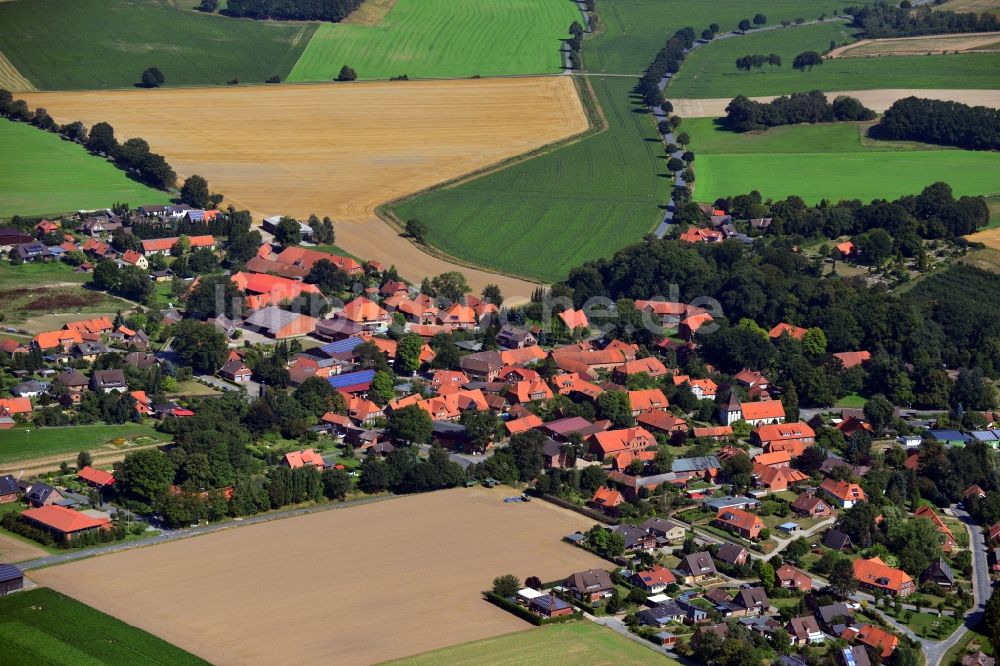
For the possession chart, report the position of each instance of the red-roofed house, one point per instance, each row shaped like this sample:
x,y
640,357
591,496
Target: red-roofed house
x,y
793,579
607,500
523,424
135,259
307,258
64,340
304,458
574,319
96,477
880,640
747,525
851,359
458,316
366,312
654,580
949,543
795,332
846,249
530,391
791,437
664,422
612,442
647,400
844,493
650,365
64,523
263,290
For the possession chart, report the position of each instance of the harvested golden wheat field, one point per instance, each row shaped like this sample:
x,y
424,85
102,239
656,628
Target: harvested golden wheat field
x,y
924,45
354,586
339,149
877,100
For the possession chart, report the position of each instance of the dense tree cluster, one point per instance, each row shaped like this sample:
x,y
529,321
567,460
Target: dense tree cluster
x,y
744,114
133,156
297,10
912,339
946,123
668,60
886,20
757,60
934,213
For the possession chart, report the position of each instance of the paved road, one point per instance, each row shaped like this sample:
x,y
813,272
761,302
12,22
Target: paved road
x,y
982,588
173,535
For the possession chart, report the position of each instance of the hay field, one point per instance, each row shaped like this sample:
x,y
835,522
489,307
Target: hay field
x,y
340,149
988,237
976,6
354,586
924,45
877,100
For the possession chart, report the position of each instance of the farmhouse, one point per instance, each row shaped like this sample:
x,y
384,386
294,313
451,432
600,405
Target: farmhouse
x,y
64,523
303,458
9,490
280,324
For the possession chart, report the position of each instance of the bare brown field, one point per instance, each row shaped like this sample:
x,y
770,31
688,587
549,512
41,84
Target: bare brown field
x,y
103,457
12,550
877,100
924,45
354,586
340,150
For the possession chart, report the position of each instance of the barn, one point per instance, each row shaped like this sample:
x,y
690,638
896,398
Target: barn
x,y
11,579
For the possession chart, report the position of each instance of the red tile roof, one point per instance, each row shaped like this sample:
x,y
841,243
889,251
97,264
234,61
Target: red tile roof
x,y
607,497
796,332
64,520
877,573
296,459
767,409
98,477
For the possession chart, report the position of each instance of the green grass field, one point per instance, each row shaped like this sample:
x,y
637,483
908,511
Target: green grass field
x,y
43,174
83,44
38,275
828,161
41,626
710,71
541,217
634,30
444,38
20,443
579,643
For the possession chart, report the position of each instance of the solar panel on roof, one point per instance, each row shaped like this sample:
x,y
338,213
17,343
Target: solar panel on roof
x,y
341,346
351,378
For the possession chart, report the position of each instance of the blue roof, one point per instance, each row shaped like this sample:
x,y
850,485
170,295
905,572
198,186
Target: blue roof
x,y
984,435
341,346
9,572
949,436
351,378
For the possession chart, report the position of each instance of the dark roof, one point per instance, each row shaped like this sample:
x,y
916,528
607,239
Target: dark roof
x,y
836,539
730,552
699,564
661,613
103,377
8,485
938,569
72,378
9,572
754,597
829,613
40,492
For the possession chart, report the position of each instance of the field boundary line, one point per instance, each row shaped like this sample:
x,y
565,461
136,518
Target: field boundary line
x,y
12,79
596,124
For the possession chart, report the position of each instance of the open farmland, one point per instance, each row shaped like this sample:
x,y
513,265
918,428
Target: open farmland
x,y
21,444
976,6
68,44
306,589
43,174
876,100
603,191
710,71
828,161
41,626
444,38
579,643
341,150
924,45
